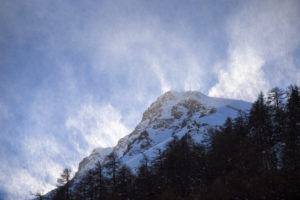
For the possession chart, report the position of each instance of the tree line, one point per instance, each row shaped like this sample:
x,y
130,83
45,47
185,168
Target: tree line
x,y
254,156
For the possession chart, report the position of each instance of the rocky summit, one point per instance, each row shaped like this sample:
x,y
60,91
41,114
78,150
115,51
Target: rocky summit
x,y
172,114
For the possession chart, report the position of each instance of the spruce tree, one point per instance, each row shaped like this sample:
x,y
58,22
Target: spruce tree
x,y
143,180
125,180
100,182
64,183
292,131
275,101
261,131
112,163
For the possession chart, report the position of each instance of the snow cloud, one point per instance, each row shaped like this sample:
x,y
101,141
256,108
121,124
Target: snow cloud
x,y
101,126
260,33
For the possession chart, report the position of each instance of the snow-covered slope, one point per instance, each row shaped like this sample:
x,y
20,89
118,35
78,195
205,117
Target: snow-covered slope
x,y
172,114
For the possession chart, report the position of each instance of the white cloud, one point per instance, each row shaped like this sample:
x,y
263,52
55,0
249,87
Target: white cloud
x,y
21,183
101,126
243,79
161,77
37,174
195,77
153,53
259,33
45,156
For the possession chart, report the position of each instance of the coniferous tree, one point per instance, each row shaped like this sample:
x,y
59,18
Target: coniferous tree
x,y
112,164
100,182
38,195
125,181
291,156
65,177
261,132
80,190
90,187
158,169
228,126
143,180
157,163
240,124
275,101
64,183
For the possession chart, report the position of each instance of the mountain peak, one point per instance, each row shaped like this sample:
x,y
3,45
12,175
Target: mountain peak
x,y
174,95
166,105
172,114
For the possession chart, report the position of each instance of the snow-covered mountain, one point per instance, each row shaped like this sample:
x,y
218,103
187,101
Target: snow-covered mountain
x,y
172,114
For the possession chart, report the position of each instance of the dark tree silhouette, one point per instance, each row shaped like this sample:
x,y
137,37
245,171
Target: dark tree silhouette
x,y
112,164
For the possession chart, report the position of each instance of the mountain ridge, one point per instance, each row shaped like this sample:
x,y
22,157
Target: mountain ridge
x,y
172,114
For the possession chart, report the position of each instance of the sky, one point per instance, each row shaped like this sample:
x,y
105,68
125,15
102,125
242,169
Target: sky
x,y
77,75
